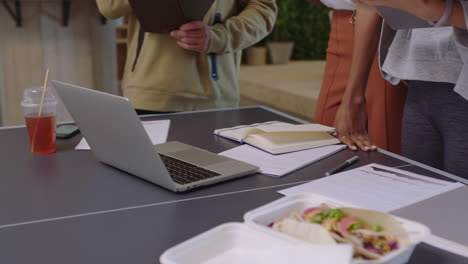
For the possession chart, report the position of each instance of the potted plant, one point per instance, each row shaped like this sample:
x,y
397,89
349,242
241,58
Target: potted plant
x,y
256,55
280,43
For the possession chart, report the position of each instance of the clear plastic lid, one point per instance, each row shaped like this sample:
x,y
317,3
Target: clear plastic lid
x,y
32,97
31,102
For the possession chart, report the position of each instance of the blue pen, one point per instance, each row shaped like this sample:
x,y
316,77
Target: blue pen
x,y
213,57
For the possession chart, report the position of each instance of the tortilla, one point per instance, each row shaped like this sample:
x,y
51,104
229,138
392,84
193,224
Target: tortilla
x,y
388,222
310,232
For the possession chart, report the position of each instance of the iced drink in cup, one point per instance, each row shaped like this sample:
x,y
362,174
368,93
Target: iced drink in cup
x,y
40,119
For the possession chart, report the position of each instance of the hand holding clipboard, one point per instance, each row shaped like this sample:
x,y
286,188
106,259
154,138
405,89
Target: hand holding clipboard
x,y
163,16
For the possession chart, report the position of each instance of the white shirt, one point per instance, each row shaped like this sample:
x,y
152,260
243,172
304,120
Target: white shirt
x,y
339,4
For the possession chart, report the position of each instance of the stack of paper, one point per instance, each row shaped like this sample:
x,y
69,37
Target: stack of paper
x,y
280,165
376,187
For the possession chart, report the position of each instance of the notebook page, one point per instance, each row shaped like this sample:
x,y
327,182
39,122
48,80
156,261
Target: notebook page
x,y
238,133
298,128
156,130
279,165
370,187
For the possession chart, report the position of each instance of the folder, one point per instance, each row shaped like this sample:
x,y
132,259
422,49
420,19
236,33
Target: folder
x,y
399,19
445,214
163,16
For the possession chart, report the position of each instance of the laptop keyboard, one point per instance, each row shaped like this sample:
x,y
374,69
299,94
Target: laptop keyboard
x,y
183,172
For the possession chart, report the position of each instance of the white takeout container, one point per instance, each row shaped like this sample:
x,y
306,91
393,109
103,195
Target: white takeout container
x,y
244,242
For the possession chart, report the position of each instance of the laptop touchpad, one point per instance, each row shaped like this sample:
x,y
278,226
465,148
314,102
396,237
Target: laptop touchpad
x,y
198,157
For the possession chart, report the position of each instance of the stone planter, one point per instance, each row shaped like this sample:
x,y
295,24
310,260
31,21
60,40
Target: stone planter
x,y
280,52
256,55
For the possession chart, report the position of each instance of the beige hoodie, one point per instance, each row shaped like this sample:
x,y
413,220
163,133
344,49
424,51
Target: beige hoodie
x,y
166,77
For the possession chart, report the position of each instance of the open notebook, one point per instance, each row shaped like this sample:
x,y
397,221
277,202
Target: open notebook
x,y
278,137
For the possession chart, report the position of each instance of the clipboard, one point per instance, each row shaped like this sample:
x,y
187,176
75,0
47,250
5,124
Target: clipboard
x,y
163,16
445,214
399,19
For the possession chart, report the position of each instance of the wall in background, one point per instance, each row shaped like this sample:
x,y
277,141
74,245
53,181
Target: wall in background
x,y
83,53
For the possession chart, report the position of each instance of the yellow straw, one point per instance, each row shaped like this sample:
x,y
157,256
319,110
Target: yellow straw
x,y
43,92
33,141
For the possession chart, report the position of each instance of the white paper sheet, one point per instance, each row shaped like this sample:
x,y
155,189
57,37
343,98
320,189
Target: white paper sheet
x,y
370,188
156,130
279,165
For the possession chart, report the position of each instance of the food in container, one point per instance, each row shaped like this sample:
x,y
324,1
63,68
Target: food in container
x,y
255,240
372,234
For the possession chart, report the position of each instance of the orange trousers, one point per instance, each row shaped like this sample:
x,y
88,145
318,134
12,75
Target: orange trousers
x,y
384,102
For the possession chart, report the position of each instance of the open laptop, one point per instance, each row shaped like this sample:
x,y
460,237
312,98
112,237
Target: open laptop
x,y
116,136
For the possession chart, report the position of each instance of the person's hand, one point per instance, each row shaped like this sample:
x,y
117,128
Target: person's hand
x,y
350,128
194,36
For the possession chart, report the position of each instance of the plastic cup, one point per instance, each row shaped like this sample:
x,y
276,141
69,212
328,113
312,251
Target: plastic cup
x,y
40,121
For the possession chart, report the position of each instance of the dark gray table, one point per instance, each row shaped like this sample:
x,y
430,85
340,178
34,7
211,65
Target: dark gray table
x,y
68,208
